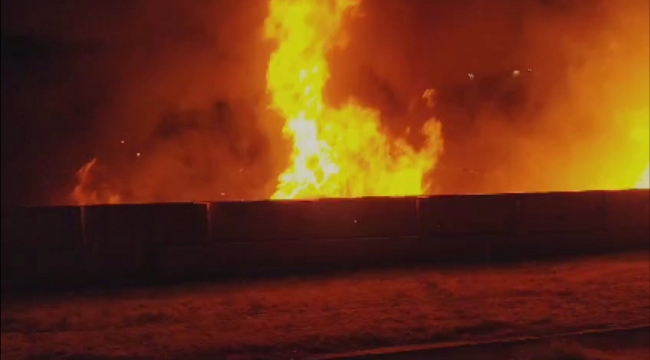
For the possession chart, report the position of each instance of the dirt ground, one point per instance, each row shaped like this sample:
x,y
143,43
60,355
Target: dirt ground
x,y
573,351
301,316
631,344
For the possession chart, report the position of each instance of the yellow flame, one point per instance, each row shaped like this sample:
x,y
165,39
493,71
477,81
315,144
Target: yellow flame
x,y
640,138
337,152
644,181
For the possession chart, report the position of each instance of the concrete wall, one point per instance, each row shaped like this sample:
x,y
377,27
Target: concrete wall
x,y
467,214
553,225
571,212
627,218
313,220
41,245
165,241
124,240
258,221
459,228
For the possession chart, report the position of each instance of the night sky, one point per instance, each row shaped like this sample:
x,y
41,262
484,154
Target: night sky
x,y
182,82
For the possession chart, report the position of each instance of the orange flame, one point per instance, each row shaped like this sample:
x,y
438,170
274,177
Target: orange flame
x,y
89,190
337,152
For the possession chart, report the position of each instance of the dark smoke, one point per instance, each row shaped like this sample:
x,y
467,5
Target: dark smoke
x,y
180,83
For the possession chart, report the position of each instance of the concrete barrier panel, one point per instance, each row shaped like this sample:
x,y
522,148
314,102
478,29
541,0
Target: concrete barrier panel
x,y
628,210
317,219
628,218
313,253
40,227
115,226
257,257
362,218
123,239
192,262
582,212
41,246
478,214
457,248
23,269
554,225
258,221
457,228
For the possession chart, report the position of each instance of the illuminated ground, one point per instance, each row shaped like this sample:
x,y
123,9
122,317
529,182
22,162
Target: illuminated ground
x,y
294,317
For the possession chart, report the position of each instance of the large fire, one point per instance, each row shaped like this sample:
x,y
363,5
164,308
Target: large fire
x,y
345,152
337,152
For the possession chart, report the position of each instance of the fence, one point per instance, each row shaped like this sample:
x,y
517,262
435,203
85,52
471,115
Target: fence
x,y
57,245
